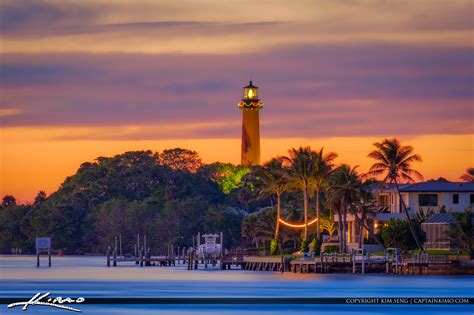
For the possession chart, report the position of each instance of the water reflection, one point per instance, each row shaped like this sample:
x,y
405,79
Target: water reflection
x,y
89,277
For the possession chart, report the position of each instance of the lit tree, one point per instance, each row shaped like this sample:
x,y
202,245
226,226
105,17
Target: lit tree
x,y
226,175
328,224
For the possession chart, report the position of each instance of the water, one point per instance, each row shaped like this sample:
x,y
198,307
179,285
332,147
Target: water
x,y
76,276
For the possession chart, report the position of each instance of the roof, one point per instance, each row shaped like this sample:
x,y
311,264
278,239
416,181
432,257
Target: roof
x,y
441,218
390,216
441,186
432,186
387,187
250,85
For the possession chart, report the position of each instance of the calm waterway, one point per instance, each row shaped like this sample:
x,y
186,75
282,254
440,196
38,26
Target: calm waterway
x,y
80,276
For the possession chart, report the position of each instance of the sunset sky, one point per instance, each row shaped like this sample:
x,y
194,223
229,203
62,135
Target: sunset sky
x,y
89,78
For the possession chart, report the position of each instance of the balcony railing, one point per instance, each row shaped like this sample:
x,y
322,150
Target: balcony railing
x,y
389,208
392,209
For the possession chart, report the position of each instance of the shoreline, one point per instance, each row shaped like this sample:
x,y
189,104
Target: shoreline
x,y
69,262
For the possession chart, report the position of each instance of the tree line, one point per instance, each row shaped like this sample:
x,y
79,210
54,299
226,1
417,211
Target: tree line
x,y
172,195
310,179
168,196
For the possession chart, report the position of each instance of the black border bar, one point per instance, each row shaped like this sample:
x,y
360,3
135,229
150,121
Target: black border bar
x,y
263,300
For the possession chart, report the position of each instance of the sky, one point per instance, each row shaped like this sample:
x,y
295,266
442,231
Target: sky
x,y
90,78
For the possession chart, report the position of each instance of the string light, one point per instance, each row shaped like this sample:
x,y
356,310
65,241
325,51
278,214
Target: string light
x,y
297,225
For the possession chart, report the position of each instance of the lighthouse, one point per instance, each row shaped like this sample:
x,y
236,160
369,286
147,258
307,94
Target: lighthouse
x,y
250,106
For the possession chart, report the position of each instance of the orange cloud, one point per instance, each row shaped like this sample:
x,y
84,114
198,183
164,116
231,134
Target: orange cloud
x,y
10,111
95,77
32,160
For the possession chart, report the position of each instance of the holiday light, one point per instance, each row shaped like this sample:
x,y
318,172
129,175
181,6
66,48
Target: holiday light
x,y
297,225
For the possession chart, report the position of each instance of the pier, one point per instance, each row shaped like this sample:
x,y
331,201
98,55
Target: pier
x,y
142,260
142,254
257,263
358,261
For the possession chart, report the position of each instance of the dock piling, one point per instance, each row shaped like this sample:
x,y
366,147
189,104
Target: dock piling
x,y
363,262
115,256
120,242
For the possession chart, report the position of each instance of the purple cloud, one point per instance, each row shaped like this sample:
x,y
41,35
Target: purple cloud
x,y
309,90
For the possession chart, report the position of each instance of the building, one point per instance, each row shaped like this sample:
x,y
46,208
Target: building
x,y
250,106
438,230
423,196
454,196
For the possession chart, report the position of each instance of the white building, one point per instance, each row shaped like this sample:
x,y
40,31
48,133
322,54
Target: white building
x,y
453,196
434,195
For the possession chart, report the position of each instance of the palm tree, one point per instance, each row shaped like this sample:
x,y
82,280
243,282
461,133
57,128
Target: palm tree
x,y
468,176
258,226
40,197
343,192
249,227
394,161
362,223
272,180
301,173
264,227
364,206
323,164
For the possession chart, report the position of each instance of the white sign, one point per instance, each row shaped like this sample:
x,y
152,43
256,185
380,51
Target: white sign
x,y
43,243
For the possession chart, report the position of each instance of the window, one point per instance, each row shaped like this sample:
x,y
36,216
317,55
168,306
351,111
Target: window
x,y
472,199
455,199
383,200
428,200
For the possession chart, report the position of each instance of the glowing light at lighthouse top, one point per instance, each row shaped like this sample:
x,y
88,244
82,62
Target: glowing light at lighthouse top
x,y
250,100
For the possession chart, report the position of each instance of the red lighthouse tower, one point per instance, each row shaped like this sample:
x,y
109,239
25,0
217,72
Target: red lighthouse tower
x,y
250,106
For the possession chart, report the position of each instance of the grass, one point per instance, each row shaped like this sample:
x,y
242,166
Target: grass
x,y
279,256
414,251
430,251
440,252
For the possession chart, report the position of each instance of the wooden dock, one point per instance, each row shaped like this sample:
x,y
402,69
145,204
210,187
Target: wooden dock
x,y
346,263
358,261
143,261
422,263
305,265
235,257
258,263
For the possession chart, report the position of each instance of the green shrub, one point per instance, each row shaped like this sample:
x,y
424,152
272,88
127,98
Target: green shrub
x,y
304,246
396,233
331,249
316,246
273,247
